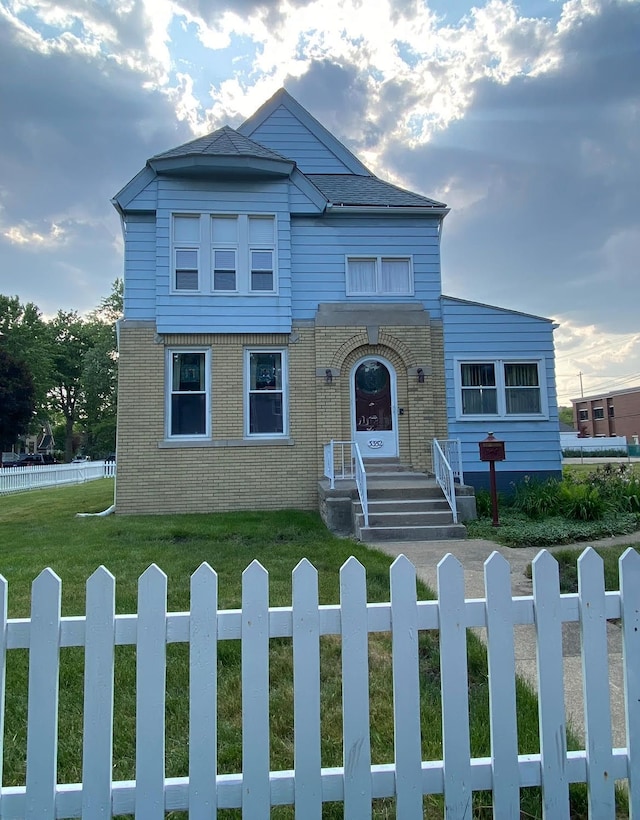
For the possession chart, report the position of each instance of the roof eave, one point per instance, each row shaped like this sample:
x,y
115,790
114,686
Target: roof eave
x,y
225,163
423,210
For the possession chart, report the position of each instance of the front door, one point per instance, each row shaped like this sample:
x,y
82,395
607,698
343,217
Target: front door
x,y
373,402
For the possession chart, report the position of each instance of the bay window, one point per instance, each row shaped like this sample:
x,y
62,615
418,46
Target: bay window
x,y
224,254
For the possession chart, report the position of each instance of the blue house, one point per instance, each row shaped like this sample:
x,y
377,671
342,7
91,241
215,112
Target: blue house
x,y
278,296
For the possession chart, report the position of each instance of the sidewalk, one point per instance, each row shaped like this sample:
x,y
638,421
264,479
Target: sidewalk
x,y
472,553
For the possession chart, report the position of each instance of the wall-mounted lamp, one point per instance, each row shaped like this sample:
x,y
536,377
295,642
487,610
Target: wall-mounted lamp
x,y
328,376
420,373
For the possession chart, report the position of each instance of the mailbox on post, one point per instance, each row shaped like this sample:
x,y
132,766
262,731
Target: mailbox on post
x,y
492,450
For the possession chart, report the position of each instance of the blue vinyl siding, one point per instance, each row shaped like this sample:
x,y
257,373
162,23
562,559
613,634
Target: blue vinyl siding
x,y
180,313
481,331
286,135
140,266
319,248
146,199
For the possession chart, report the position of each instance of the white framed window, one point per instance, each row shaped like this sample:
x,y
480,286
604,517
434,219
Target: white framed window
x,y
499,389
379,276
188,393
583,415
224,254
186,252
266,393
598,413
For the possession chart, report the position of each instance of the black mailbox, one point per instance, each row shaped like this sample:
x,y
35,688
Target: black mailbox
x,y
491,449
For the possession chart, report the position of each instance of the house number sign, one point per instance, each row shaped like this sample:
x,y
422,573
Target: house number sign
x,y
375,443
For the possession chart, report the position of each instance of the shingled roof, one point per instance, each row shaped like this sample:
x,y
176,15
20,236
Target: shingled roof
x,y
225,142
354,190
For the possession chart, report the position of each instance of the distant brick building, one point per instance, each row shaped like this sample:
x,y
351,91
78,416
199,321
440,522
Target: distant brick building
x,y
609,414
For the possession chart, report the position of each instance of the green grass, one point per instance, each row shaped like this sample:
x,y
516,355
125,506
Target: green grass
x,y
568,566
39,529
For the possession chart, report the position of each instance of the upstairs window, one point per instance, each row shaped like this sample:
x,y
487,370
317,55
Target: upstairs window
x,y
598,413
499,388
186,249
583,415
224,254
379,276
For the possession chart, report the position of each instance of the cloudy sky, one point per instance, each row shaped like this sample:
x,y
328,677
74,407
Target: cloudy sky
x,y
523,117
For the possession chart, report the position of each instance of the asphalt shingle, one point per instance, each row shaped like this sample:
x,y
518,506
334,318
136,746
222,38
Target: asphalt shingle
x,y
349,189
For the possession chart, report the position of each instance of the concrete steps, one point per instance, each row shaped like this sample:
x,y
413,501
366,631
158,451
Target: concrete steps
x,y
403,506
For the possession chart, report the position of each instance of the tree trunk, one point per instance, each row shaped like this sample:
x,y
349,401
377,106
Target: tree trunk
x,y
68,438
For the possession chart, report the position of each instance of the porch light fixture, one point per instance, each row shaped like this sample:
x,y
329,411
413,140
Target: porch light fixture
x,y
328,376
420,373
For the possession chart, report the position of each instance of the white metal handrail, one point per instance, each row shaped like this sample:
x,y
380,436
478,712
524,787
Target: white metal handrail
x,y
339,461
444,476
347,465
361,482
453,453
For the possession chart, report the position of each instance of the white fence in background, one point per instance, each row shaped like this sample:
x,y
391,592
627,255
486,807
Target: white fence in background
x,y
17,479
406,778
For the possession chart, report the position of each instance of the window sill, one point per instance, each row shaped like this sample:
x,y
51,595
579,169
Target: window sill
x,y
175,444
493,417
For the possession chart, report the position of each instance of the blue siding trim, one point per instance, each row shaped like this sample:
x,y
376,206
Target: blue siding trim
x,y
507,479
319,248
284,133
283,105
140,194
139,266
481,331
211,313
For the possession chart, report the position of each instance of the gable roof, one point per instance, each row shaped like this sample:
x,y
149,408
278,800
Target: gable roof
x,y
347,189
284,99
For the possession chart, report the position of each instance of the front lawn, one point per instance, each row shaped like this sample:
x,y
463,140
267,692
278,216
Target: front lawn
x,y
39,529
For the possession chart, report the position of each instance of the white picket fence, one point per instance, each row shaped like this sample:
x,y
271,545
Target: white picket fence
x,y
18,479
407,777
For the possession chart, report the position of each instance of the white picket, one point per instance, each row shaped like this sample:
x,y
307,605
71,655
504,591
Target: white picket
x,y
42,727
629,565
256,788
454,687
306,692
502,688
356,746
256,797
203,694
553,730
98,694
151,673
595,684
406,689
3,676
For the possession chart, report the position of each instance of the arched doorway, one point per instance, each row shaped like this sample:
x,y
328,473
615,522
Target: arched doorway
x,y
373,407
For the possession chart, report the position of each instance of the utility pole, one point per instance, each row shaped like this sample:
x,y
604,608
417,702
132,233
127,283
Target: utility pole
x,y
581,390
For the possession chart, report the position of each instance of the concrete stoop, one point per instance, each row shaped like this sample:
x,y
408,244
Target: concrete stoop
x,y
403,506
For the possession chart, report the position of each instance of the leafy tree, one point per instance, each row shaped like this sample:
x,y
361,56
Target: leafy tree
x,y
25,336
17,398
565,415
69,345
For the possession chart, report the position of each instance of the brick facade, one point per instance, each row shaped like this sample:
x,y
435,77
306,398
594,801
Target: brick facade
x,y
229,472
609,414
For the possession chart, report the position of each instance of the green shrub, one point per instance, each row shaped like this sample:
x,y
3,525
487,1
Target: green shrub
x,y
582,502
536,499
483,503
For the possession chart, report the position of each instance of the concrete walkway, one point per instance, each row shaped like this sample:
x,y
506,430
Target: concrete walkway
x,y
472,553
